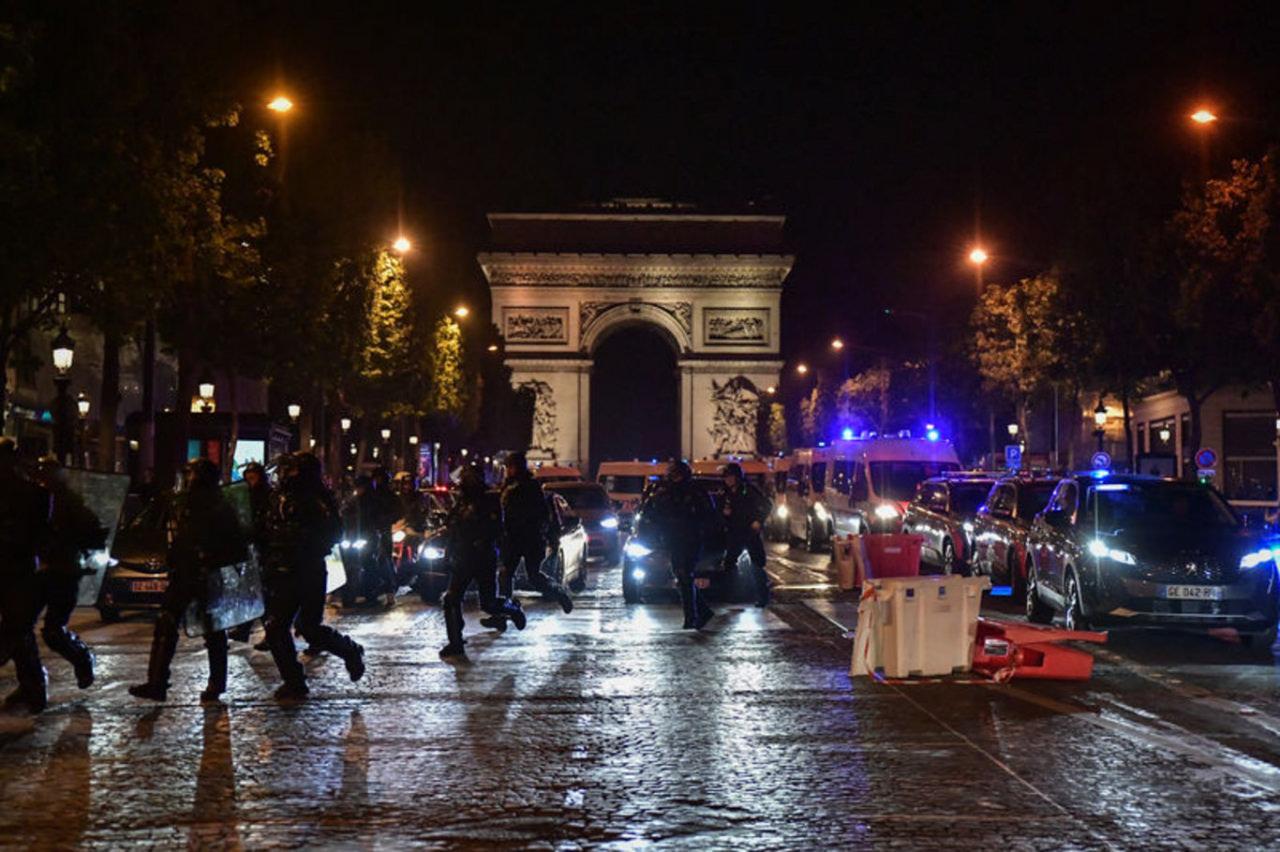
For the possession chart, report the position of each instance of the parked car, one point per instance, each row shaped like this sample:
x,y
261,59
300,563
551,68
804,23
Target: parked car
x,y
1001,527
1150,552
137,574
646,563
590,502
859,485
942,513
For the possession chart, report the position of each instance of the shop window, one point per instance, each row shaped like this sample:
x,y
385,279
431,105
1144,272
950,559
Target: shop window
x,y
1249,455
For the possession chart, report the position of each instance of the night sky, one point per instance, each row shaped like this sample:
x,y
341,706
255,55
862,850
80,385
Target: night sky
x,y
886,133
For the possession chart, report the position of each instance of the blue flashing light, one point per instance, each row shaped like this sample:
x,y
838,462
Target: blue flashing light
x,y
1002,591
932,434
846,433
822,443
1110,486
1100,474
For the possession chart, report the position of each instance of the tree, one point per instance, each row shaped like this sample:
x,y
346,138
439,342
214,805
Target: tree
x,y
1017,329
862,402
777,428
448,398
815,414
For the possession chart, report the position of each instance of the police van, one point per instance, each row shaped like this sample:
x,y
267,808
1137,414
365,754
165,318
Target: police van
x,y
625,482
859,485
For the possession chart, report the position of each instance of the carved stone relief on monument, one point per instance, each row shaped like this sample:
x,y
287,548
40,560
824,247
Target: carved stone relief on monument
x,y
736,326
733,425
545,429
535,325
681,312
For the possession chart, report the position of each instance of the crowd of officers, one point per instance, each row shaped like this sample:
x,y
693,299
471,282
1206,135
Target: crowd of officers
x,y
45,527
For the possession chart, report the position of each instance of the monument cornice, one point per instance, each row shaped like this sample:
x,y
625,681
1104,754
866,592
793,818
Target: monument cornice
x,y
547,269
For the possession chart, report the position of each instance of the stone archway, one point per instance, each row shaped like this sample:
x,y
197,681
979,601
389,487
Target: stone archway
x,y
563,283
635,394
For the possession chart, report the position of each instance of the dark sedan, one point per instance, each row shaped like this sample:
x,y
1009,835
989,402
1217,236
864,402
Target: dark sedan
x,y
1001,527
1142,551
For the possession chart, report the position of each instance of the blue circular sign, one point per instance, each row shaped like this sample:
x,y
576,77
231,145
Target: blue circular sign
x,y
1206,457
1101,461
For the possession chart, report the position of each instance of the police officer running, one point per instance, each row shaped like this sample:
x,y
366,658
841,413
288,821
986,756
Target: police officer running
x,y
745,511
471,542
303,526
206,536
74,530
682,510
255,478
529,524
24,527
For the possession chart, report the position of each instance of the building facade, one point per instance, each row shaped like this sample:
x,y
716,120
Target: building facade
x,y
709,285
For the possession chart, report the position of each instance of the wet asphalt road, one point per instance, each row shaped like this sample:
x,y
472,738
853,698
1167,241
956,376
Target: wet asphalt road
x,y
611,726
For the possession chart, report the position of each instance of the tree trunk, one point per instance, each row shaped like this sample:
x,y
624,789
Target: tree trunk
x,y
4,384
233,399
1024,420
1073,433
109,400
1193,405
1128,430
147,433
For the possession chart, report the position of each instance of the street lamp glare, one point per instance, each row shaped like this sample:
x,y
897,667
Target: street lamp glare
x,y
1013,430
1100,415
280,104
837,344
771,390
802,368
386,434
295,411
402,244
461,311
345,423
978,256
1203,116
493,347
82,405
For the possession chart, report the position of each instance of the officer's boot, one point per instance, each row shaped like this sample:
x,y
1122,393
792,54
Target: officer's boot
x,y
216,645
453,624
285,654
704,613
164,644
688,601
70,646
33,683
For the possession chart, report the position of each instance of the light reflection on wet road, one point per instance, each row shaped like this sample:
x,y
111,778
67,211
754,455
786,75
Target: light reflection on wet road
x,y
613,726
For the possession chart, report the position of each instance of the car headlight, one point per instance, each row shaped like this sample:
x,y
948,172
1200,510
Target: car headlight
x,y
397,536
886,512
609,523
358,544
346,544
431,552
821,511
968,527
1260,557
781,511
637,574
1099,548
636,550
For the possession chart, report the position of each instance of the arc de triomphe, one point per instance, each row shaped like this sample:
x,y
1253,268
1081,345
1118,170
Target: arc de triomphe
x,y
711,284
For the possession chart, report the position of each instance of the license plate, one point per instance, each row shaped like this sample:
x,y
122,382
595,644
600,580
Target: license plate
x,y
148,585
1193,593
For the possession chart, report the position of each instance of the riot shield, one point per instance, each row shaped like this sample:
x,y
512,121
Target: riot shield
x,y
104,494
233,594
336,571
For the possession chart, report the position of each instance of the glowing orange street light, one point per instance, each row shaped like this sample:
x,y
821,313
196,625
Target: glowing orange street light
x,y
802,368
461,311
402,244
1203,116
978,256
837,344
771,390
493,347
280,104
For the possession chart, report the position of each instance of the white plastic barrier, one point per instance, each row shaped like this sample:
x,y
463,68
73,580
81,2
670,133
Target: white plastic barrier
x,y
917,625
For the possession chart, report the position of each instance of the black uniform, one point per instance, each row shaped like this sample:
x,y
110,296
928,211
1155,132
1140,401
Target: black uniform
x,y
302,527
74,529
471,542
207,535
743,507
24,527
259,508
529,525
683,513
378,509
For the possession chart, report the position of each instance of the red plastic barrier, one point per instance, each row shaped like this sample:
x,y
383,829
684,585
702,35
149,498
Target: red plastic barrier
x,y
893,555
1005,650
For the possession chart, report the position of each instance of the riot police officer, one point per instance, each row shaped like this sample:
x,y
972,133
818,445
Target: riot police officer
x,y
255,477
745,511
529,524
302,527
471,542
379,508
24,527
74,529
682,512
412,506
207,535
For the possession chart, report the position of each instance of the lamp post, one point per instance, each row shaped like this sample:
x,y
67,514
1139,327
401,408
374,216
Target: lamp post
x,y
1100,423
205,389
386,444
295,411
64,351
82,408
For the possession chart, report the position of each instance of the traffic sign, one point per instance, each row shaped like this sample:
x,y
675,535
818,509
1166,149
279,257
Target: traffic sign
x,y
1101,461
1013,456
1206,457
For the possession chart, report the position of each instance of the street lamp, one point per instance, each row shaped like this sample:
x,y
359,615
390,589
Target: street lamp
x,y
1013,430
280,104
978,256
345,423
461,311
413,440
1100,421
1164,434
386,434
402,244
295,411
771,390
837,344
82,405
802,368
64,353
493,347
1203,116
205,391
